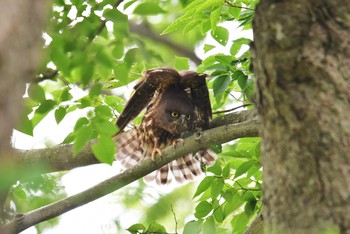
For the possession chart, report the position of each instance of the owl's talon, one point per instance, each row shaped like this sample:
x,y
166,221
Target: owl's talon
x,y
156,150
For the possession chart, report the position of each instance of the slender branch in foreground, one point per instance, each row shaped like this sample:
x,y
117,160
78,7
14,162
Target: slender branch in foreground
x,y
144,30
194,143
232,109
236,6
61,158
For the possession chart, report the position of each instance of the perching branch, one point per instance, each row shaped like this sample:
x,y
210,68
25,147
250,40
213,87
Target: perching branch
x,y
61,158
196,142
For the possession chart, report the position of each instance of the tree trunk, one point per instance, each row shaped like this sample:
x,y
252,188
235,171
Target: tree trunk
x,y
302,65
21,25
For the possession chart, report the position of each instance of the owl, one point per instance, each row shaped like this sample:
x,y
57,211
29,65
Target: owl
x,y
177,104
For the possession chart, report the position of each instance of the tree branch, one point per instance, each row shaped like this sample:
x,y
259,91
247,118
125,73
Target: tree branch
x,y
144,30
237,6
196,142
61,158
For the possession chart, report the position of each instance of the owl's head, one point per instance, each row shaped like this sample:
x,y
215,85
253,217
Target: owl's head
x,y
175,112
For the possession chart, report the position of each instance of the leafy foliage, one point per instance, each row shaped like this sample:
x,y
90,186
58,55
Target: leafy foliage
x,y
94,48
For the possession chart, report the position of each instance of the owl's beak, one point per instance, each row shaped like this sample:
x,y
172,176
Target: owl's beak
x,y
182,119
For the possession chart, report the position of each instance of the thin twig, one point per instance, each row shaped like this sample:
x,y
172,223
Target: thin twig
x,y
229,110
176,221
236,6
145,30
247,189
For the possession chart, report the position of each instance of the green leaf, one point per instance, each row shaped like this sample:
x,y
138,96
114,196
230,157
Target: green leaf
x,y
59,114
216,187
193,227
148,8
203,209
136,228
58,55
45,106
122,72
87,72
95,90
179,23
249,207
226,170
25,126
128,4
232,205
81,122
215,169
235,11
239,223
221,83
237,45
208,47
204,185
115,15
156,228
215,16
118,50
120,25
104,58
113,101
201,5
104,150
83,135
244,167
103,112
36,92
209,226
205,26
241,79
220,34
248,196
182,63
105,127
65,95
219,214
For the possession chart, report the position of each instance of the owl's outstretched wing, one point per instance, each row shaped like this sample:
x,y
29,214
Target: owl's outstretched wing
x,y
195,84
152,81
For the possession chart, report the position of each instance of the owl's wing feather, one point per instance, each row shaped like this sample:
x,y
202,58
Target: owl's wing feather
x,y
153,80
195,83
129,152
206,157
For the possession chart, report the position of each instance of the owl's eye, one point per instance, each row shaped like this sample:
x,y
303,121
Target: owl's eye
x,y
188,117
174,114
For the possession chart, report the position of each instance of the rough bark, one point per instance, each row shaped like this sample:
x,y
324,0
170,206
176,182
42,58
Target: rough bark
x,y
21,24
301,60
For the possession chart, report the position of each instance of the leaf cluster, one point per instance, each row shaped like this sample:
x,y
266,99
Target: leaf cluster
x,y
229,197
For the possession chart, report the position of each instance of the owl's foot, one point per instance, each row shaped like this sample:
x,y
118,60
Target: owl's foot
x,y
176,141
156,150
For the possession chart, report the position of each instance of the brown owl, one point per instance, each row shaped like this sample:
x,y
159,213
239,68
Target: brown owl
x,y
177,103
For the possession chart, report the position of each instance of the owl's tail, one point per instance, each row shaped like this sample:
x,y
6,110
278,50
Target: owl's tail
x,y
182,169
130,151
